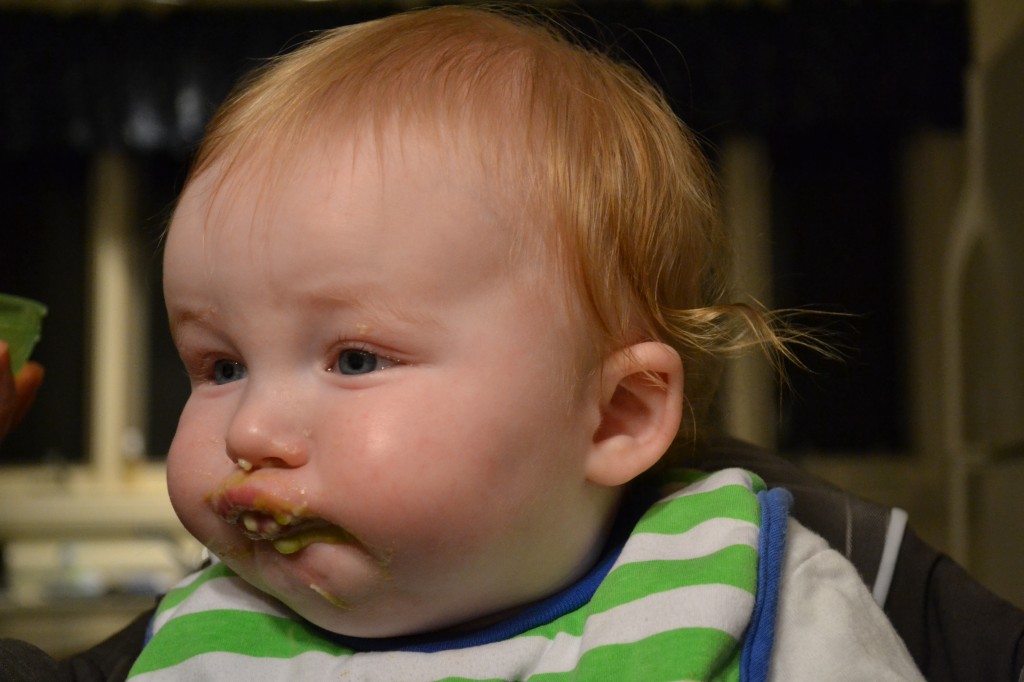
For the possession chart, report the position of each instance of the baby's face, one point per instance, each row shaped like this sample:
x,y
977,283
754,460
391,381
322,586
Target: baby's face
x,y
379,433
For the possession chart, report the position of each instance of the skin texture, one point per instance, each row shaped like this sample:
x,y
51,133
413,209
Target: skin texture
x,y
453,482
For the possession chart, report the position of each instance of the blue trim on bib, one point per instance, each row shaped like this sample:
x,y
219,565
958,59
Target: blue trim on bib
x,y
570,599
755,661
544,611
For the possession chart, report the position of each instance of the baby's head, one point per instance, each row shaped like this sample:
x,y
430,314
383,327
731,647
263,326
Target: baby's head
x,y
432,278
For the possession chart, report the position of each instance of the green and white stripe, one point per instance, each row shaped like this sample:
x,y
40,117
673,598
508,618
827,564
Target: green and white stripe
x,y
674,606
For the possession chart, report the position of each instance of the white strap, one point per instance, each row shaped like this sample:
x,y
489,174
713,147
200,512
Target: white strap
x,y
890,552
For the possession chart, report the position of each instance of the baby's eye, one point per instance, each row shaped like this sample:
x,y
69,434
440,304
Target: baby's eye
x,y
226,371
355,361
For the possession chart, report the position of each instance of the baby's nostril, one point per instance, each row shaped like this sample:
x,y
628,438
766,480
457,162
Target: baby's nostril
x,y
262,463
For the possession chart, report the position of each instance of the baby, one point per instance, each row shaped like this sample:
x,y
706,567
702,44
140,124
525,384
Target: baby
x,y
437,280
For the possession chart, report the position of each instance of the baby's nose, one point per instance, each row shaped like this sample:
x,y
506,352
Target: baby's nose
x,y
267,431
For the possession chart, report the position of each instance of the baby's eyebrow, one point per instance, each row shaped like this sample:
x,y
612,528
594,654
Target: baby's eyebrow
x,y
190,317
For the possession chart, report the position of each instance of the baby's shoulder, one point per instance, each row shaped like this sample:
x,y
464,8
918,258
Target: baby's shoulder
x,y
828,624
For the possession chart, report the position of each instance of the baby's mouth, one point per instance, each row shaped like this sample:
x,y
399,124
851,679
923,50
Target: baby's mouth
x,y
288,533
286,527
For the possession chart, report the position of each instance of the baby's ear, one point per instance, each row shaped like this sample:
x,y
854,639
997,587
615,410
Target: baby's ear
x,y
641,407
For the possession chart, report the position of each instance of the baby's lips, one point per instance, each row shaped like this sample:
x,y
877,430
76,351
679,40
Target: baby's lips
x,y
235,498
284,524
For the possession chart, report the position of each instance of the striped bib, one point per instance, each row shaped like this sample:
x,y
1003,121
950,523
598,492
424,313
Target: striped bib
x,y
689,595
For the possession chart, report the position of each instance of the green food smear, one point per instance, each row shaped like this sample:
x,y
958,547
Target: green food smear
x,y
328,534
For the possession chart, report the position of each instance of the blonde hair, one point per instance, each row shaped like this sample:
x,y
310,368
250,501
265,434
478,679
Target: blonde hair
x,y
592,141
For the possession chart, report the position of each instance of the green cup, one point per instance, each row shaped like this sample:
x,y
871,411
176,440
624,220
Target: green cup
x,y
21,321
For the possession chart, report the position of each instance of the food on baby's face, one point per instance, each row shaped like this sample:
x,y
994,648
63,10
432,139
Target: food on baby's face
x,y
286,526
333,600
331,535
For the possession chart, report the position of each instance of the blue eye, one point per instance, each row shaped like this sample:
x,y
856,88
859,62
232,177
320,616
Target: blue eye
x,y
354,361
226,371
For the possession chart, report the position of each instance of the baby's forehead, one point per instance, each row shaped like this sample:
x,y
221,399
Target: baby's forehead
x,y
384,159
255,190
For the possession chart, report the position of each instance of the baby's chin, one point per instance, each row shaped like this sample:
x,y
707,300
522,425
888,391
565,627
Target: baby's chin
x,y
382,611
325,585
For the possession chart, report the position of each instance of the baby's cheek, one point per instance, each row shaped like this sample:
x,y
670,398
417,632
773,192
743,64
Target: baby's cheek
x,y
187,501
196,456
190,483
456,525
187,482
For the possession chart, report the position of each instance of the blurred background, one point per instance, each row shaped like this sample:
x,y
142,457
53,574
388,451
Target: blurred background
x,y
872,163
